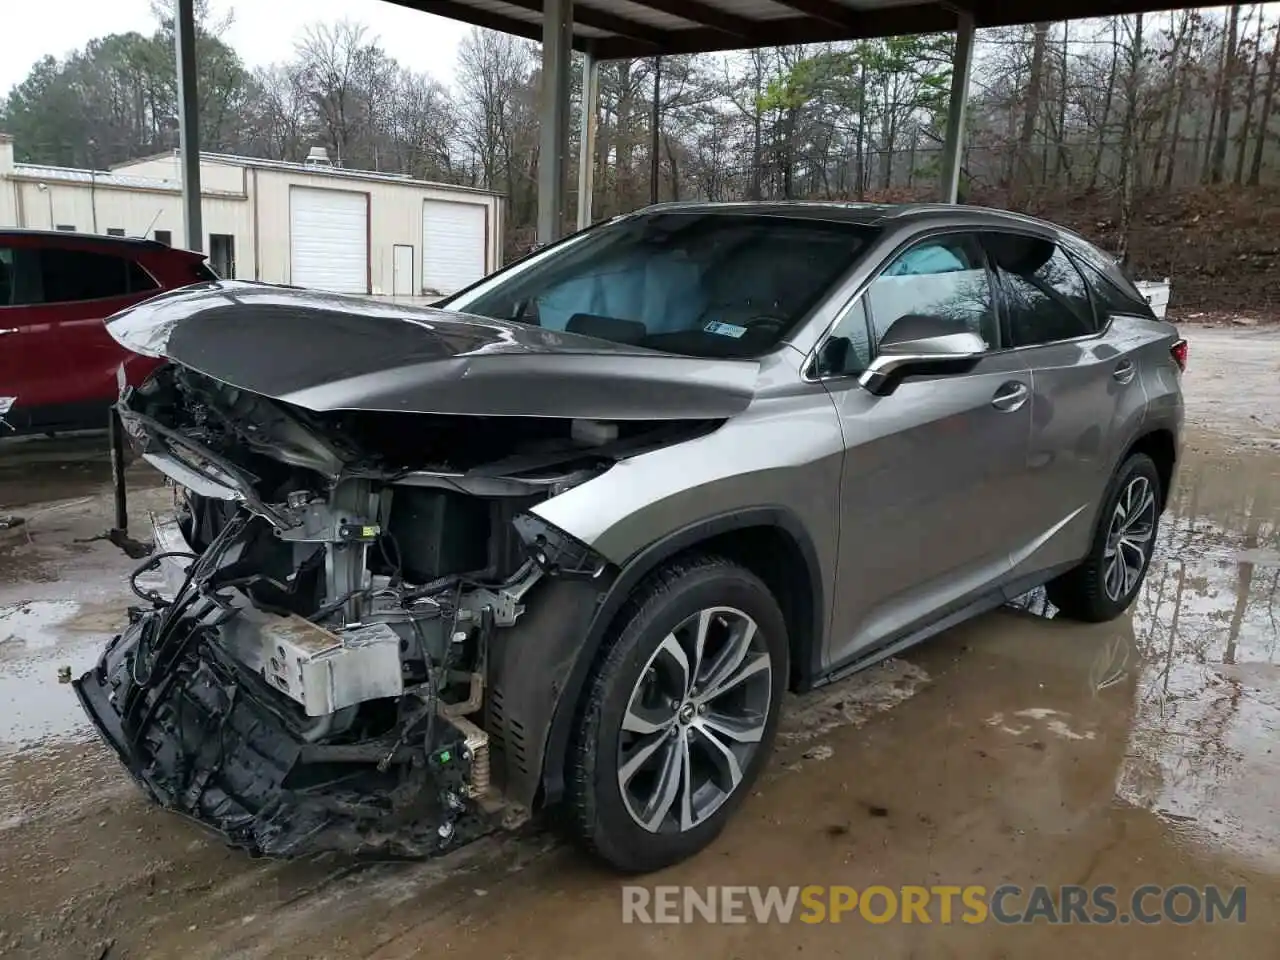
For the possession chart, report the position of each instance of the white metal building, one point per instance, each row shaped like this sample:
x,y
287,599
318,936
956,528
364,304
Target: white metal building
x,y
309,224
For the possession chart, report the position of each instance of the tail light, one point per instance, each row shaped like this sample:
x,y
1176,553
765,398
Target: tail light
x,y
1179,353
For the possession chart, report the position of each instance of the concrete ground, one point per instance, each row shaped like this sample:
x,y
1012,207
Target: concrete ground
x,y
1015,749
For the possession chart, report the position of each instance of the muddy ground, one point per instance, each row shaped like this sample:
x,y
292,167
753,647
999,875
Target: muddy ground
x,y
1017,748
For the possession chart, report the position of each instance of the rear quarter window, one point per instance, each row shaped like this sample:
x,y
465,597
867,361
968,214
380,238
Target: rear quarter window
x,y
70,276
1114,292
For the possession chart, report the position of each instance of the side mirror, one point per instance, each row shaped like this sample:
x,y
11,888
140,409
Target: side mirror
x,y
917,344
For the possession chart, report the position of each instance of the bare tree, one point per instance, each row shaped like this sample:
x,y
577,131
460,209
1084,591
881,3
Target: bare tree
x,y
1264,118
1226,82
1035,83
347,75
1105,119
281,119
1134,56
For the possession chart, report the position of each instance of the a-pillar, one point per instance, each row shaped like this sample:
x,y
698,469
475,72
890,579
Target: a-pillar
x,y
188,121
553,115
953,152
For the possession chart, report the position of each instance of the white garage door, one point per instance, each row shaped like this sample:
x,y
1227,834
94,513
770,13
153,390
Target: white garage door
x,y
329,240
453,242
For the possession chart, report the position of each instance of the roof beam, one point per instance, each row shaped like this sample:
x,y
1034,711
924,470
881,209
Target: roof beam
x,y
720,21
1001,13
867,25
466,13
828,11
602,20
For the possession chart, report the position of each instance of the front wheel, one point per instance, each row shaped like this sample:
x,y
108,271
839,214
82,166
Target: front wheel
x,y
1104,585
679,715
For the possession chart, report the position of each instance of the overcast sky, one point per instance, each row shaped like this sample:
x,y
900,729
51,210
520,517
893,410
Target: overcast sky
x,y
264,31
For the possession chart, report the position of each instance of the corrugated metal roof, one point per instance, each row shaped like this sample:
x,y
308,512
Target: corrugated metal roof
x,y
124,179
640,28
101,178
342,172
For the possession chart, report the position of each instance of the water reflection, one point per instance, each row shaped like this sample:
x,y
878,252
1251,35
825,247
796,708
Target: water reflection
x,y
1199,651
1207,713
37,639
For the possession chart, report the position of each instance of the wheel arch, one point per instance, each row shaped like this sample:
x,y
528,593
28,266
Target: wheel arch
x,y
1161,446
769,541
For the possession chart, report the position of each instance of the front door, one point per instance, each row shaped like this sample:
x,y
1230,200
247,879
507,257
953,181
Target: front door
x,y
929,470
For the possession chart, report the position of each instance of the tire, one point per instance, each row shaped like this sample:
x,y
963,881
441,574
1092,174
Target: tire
x,y
1092,592
637,677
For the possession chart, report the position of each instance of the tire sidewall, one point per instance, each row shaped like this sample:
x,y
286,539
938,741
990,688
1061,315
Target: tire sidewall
x,y
618,836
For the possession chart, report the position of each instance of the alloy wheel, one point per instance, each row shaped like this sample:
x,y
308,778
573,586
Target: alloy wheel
x,y
1129,538
694,720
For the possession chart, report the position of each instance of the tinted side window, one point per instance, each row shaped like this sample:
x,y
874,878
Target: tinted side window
x,y
1110,276
1046,296
6,277
940,277
139,280
1111,297
20,279
73,275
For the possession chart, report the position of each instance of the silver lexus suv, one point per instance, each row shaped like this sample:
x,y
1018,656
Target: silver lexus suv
x,y
561,542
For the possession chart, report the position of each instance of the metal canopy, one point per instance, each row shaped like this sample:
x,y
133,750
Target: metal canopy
x,y
617,29
612,29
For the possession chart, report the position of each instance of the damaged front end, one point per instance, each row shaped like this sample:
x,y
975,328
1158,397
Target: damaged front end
x,y
315,676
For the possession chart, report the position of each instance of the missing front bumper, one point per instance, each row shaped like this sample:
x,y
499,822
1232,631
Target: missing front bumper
x,y
208,739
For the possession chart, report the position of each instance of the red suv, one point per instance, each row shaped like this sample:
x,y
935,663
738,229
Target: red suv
x,y
57,362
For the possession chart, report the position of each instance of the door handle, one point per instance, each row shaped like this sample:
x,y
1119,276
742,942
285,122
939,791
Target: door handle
x,y
1011,396
1124,371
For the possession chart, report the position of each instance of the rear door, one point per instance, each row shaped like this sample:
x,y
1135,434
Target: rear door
x,y
1083,388
57,361
930,469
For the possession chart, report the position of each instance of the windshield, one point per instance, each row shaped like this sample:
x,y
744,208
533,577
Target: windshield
x,y
697,283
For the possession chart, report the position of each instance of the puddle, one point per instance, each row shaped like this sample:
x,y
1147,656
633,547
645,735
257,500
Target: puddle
x,y
37,639
1205,747
1201,653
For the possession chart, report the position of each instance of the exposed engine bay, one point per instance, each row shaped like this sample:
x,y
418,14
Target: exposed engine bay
x,y
314,676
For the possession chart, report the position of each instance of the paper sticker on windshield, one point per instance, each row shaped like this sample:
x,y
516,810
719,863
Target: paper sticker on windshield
x,y
725,329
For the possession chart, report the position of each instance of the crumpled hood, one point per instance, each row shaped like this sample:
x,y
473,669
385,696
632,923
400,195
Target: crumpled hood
x,y
326,352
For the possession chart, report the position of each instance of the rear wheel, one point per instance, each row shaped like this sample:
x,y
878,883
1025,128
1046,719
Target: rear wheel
x,y
1105,584
679,715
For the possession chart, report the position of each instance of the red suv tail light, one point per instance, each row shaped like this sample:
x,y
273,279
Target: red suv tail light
x,y
1179,353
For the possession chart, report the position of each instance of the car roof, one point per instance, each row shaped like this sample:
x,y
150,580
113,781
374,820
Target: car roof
x,y
95,238
99,240
867,214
